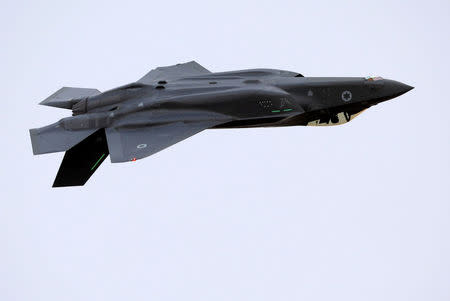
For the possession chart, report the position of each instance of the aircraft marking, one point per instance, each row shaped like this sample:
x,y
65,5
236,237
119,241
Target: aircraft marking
x,y
346,96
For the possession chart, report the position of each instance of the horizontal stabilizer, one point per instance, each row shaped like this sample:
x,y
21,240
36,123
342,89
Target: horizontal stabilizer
x,y
81,161
66,97
55,138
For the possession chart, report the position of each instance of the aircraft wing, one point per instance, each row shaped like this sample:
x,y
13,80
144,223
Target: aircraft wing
x,y
174,72
129,144
123,144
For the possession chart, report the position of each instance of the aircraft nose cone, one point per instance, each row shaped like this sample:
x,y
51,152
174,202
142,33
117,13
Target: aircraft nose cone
x,y
396,88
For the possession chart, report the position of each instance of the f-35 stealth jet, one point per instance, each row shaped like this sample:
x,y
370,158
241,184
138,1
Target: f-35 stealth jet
x,y
172,103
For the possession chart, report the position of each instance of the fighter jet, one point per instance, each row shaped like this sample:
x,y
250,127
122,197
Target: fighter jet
x,y
170,104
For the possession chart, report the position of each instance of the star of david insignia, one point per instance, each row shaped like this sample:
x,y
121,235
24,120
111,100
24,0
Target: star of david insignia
x,y
346,96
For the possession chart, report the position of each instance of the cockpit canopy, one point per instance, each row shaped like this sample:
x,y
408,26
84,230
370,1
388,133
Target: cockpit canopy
x,y
374,78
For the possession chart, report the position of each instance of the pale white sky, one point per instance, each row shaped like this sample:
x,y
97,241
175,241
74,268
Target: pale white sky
x,y
356,212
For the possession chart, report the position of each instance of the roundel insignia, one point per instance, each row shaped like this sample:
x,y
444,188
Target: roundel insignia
x,y
346,96
143,145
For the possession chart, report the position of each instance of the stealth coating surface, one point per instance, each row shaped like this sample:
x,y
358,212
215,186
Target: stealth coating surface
x,y
66,97
174,72
81,161
170,104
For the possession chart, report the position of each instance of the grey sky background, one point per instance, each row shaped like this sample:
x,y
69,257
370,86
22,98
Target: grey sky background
x,y
355,212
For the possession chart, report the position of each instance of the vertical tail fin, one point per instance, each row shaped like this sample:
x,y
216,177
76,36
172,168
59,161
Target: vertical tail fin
x,y
81,161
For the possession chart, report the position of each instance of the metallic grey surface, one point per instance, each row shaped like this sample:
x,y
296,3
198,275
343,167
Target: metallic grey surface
x,y
172,103
66,97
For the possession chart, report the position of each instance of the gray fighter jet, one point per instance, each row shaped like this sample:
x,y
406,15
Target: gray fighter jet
x,y
172,103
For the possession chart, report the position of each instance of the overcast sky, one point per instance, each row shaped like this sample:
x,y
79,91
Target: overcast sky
x,y
355,212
